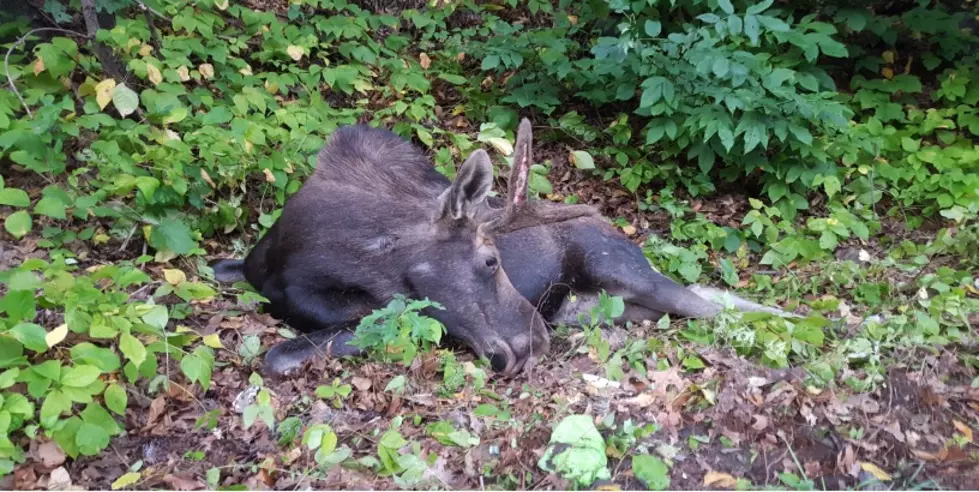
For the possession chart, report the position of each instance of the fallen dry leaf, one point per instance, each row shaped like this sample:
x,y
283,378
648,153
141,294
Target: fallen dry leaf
x,y
50,454
964,429
362,384
183,482
59,479
424,60
718,479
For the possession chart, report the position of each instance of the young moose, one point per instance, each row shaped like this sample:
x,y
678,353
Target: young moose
x,y
376,219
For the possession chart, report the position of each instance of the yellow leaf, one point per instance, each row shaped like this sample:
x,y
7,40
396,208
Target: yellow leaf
x,y
183,329
174,276
719,479
183,73
132,42
38,66
206,70
295,52
964,429
145,50
888,56
573,19
213,341
56,335
269,177
154,74
629,230
100,239
424,60
221,4
875,471
103,92
887,72
246,71
126,480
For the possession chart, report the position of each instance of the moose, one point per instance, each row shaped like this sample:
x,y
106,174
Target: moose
x,y
376,219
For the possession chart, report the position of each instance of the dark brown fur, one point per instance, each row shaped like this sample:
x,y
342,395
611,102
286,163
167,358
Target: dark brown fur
x,y
376,219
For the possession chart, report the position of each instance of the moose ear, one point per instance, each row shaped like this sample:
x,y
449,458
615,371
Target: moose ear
x,y
472,184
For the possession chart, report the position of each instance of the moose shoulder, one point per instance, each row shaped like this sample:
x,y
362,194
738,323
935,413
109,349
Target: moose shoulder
x,y
375,219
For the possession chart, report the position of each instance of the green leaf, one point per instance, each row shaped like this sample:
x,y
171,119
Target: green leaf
x,y
31,335
832,185
157,317
910,144
18,224
217,115
132,348
726,6
652,471
760,7
116,398
721,67
490,62
653,28
174,235
800,133
50,206
80,376
14,197
54,405
576,451
91,439
773,24
125,100
751,29
582,160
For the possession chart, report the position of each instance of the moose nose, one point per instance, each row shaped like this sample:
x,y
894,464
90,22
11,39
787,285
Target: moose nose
x,y
499,362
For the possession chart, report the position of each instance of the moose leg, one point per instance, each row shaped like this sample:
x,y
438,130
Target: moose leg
x,y
326,318
613,263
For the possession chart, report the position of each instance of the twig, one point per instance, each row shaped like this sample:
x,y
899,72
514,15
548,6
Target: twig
x,y
20,41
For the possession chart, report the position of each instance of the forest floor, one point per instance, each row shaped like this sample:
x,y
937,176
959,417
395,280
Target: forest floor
x,y
733,418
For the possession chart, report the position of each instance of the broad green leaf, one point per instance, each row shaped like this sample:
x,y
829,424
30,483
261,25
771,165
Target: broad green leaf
x,y
132,348
116,398
157,317
721,67
652,471
14,197
18,224
174,235
50,206
91,439
80,376
751,29
576,451
125,100
760,7
582,160
653,28
31,335
726,6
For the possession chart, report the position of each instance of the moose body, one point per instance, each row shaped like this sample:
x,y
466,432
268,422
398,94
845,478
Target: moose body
x,y
376,219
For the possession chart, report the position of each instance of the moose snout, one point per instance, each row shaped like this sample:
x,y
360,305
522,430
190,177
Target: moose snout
x,y
520,352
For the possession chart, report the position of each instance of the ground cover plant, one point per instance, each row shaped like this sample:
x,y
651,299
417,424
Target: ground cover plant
x,y
821,155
